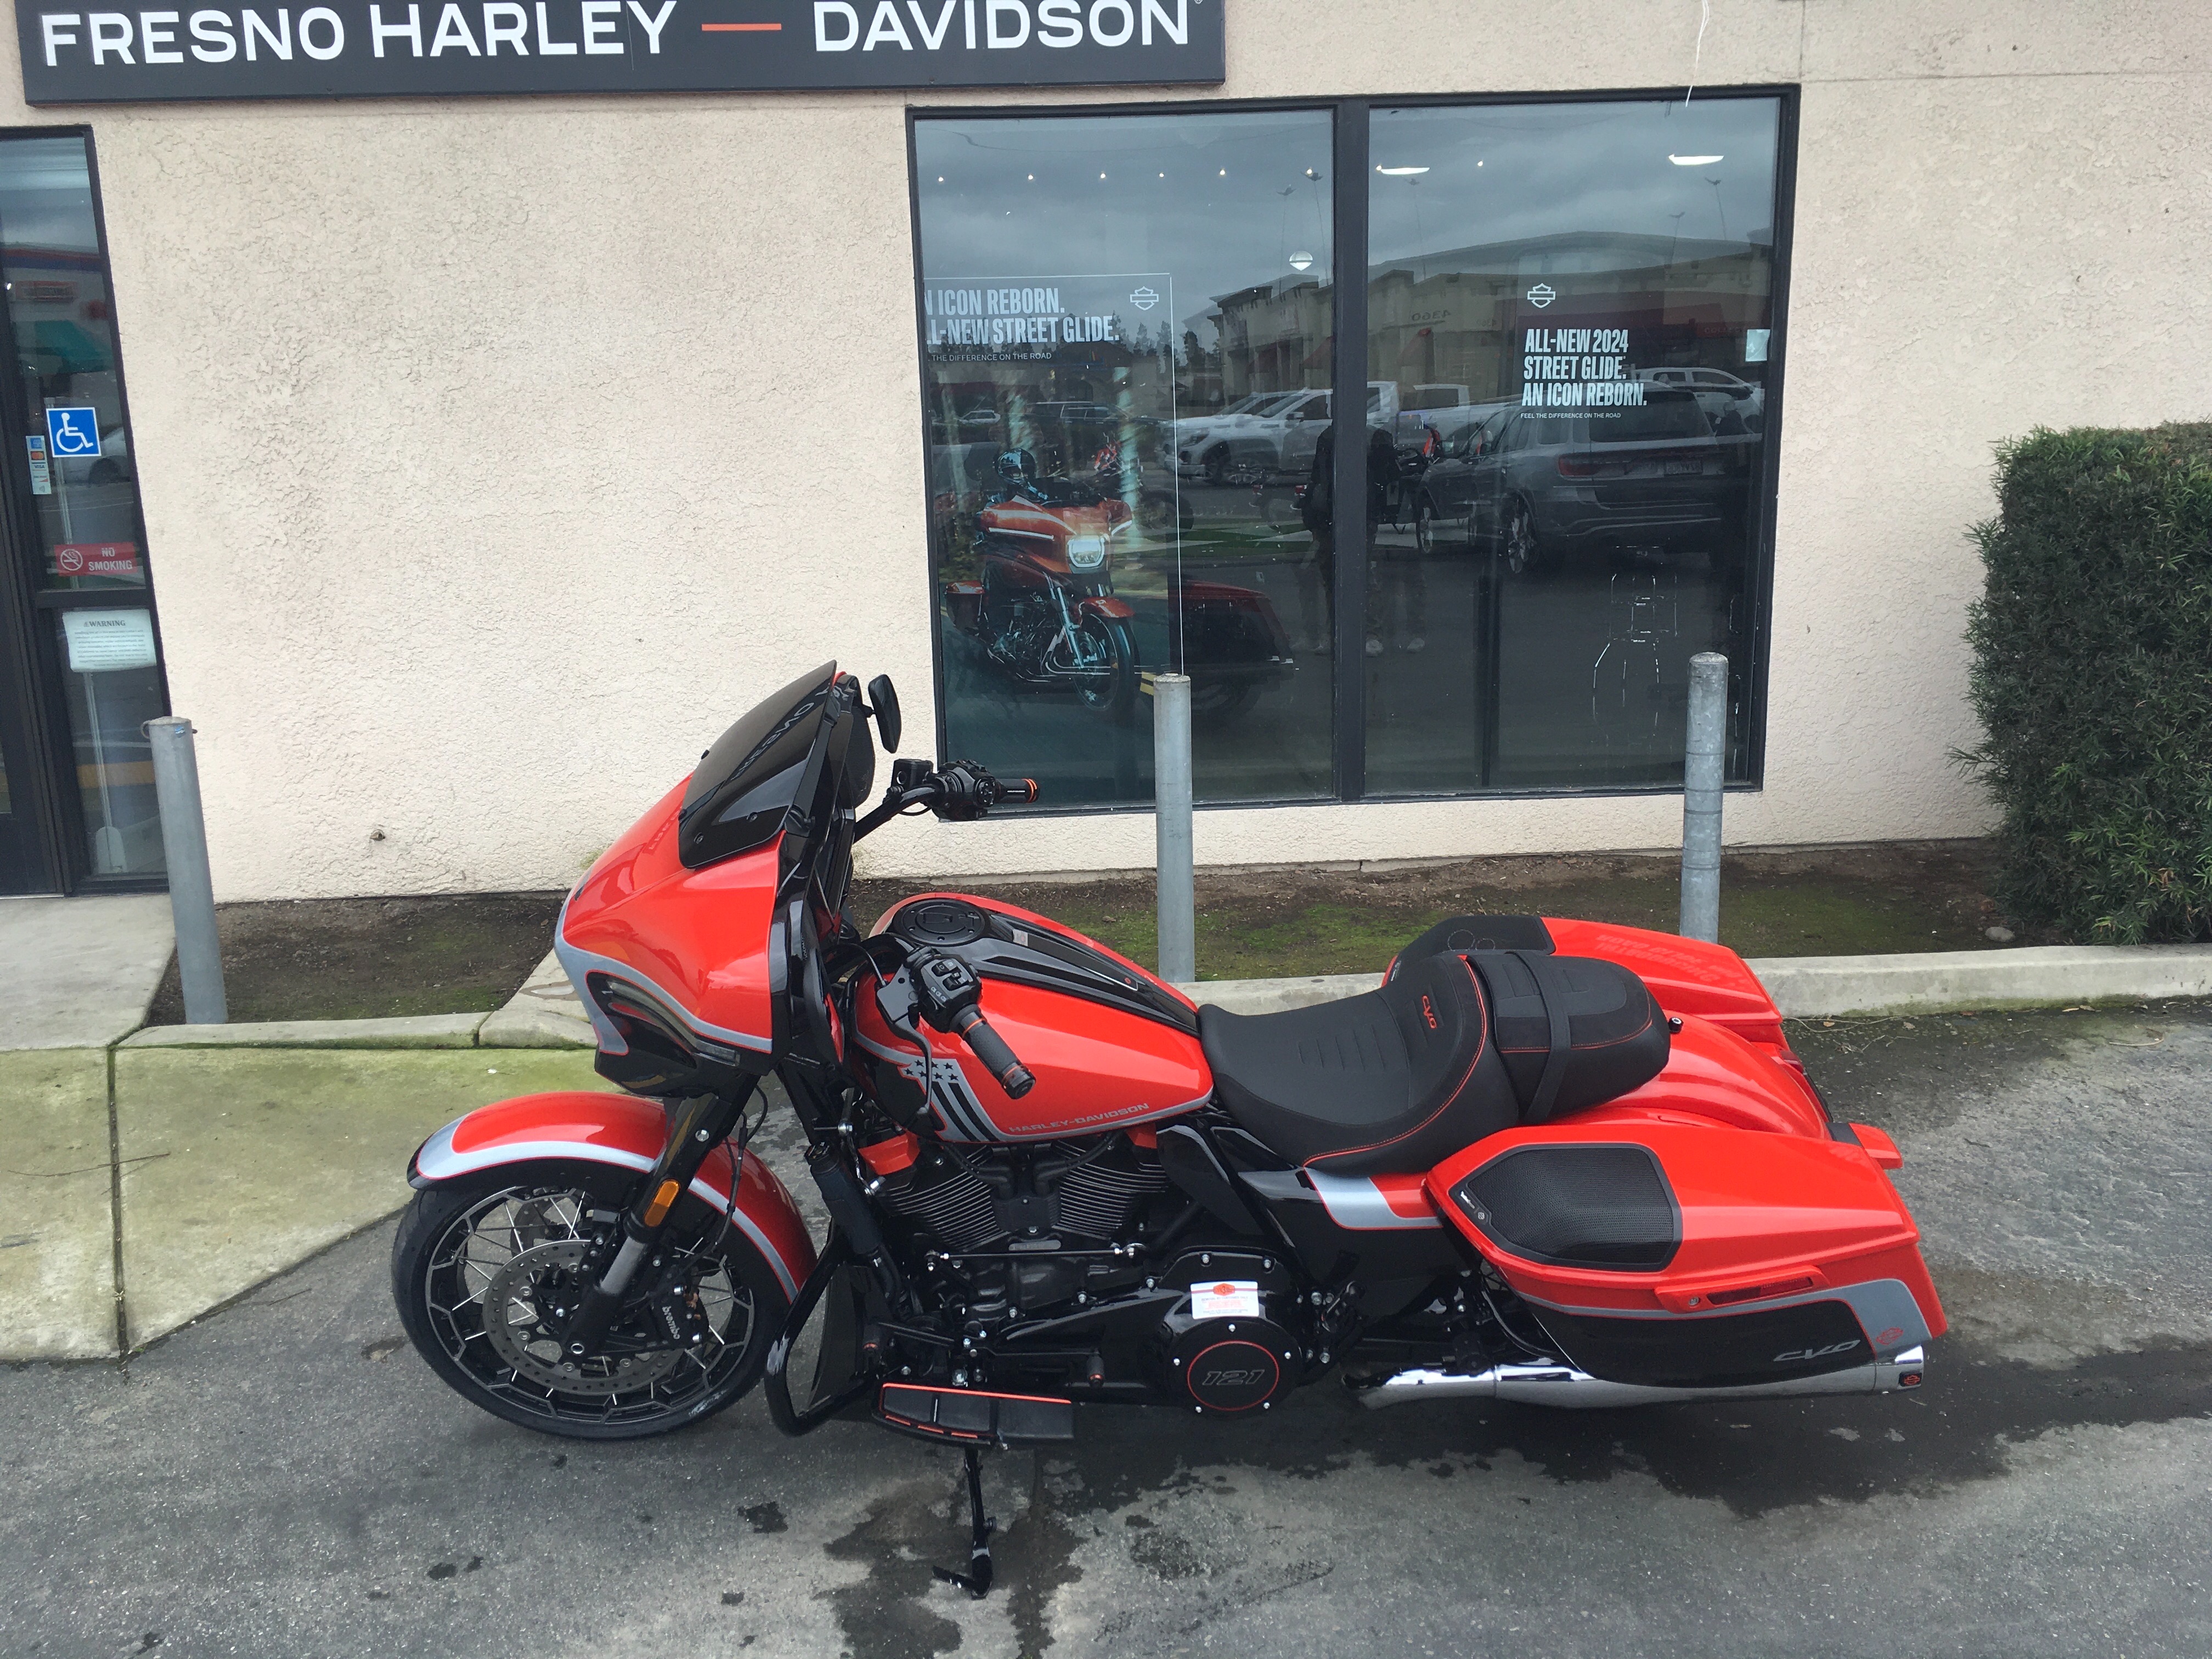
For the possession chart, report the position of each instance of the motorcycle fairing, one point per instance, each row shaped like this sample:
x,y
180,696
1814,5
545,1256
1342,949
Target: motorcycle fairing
x,y
697,941
598,1128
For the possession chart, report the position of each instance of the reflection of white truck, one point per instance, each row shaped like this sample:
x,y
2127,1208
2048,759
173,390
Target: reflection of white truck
x,y
1275,437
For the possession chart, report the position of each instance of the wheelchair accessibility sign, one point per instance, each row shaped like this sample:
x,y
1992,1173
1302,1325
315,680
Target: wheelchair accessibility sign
x,y
74,432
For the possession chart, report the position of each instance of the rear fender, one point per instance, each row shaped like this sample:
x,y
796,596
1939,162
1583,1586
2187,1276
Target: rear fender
x,y
1105,608
1689,976
627,1133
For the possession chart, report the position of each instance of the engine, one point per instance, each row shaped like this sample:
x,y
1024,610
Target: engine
x,y
1042,1222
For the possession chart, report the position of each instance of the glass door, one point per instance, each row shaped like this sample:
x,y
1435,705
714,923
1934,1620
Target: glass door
x,y
79,587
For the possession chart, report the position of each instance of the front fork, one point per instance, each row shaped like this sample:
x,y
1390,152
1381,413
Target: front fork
x,y
695,1127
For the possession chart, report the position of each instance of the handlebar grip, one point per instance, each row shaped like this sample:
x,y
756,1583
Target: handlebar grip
x,y
990,1047
1022,791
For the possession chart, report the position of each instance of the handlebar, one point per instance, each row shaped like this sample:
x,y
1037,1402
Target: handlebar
x,y
1016,1079
950,997
958,792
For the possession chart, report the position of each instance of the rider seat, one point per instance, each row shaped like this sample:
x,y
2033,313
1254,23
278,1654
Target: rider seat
x,y
1397,1079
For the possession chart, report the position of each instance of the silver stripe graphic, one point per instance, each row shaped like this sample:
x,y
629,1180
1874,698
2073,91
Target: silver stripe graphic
x,y
1357,1204
946,1088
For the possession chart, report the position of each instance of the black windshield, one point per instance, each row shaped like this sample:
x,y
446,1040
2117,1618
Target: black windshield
x,y
744,786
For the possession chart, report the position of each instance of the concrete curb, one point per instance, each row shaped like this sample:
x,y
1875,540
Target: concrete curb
x,y
417,1031
2030,976
545,1013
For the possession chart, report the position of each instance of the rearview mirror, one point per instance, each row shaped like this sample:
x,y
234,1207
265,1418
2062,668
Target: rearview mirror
x,y
883,703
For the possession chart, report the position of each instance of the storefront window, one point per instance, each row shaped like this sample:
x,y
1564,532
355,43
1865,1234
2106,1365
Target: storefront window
x,y
1570,334
1573,307
76,472
1127,325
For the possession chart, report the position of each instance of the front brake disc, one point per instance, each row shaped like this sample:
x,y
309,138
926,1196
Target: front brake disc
x,y
523,1336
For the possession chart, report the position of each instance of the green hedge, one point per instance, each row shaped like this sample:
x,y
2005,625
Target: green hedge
x,y
2093,677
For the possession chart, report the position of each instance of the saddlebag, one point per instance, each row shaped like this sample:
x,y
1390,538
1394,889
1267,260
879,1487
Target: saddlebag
x,y
1672,1255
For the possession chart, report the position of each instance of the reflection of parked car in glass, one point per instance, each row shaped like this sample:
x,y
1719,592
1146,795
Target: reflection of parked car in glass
x,y
1725,399
1216,445
111,465
1538,485
1276,437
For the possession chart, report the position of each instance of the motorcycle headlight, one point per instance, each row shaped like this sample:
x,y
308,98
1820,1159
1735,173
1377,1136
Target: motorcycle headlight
x,y
1086,552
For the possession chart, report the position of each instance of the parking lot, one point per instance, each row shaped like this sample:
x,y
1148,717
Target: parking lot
x,y
286,1479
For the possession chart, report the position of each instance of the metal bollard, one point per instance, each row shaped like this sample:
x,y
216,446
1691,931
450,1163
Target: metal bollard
x,y
1704,758
192,889
1171,809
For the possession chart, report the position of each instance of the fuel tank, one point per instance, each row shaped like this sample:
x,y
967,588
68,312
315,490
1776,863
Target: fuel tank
x,y
1111,1046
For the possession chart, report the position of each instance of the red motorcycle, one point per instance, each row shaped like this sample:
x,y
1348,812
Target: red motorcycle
x,y
1552,1162
1044,612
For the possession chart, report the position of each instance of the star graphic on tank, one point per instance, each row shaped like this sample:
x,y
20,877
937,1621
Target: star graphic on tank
x,y
1542,295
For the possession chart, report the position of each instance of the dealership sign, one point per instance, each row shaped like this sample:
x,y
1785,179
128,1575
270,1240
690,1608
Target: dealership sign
x,y
467,48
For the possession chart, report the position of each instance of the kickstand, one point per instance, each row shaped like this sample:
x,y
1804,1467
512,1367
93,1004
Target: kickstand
x,y
977,1580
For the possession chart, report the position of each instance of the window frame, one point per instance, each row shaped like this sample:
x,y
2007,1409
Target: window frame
x,y
1349,366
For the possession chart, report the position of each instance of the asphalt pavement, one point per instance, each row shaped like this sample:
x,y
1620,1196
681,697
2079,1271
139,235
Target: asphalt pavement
x,y
284,1477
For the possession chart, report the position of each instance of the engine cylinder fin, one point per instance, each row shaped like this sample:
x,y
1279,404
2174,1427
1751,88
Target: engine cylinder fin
x,y
958,1209
1097,1198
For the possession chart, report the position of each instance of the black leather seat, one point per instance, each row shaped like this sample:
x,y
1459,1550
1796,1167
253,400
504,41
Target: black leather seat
x,y
1396,1079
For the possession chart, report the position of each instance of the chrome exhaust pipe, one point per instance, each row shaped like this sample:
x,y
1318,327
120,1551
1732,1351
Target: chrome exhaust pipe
x,y
1563,1385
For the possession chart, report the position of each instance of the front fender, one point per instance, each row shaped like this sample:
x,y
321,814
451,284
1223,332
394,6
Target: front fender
x,y
626,1132
1105,607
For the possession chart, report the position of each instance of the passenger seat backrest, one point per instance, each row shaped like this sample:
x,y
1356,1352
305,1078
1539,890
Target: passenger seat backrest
x,y
1574,1031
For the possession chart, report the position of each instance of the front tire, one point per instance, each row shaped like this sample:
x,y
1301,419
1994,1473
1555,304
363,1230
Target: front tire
x,y
1111,686
472,1262
1425,527
1523,552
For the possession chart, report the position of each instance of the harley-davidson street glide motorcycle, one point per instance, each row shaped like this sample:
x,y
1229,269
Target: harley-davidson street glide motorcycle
x,y
1046,613
1553,1162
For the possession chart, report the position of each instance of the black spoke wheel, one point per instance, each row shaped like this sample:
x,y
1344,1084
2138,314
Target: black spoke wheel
x,y
1523,551
1107,679
484,1271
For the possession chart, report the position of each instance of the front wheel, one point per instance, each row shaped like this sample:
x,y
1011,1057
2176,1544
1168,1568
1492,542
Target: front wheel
x,y
482,1271
1109,671
1425,527
1523,552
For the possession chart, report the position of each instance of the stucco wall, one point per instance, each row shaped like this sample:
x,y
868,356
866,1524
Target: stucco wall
x,y
496,453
